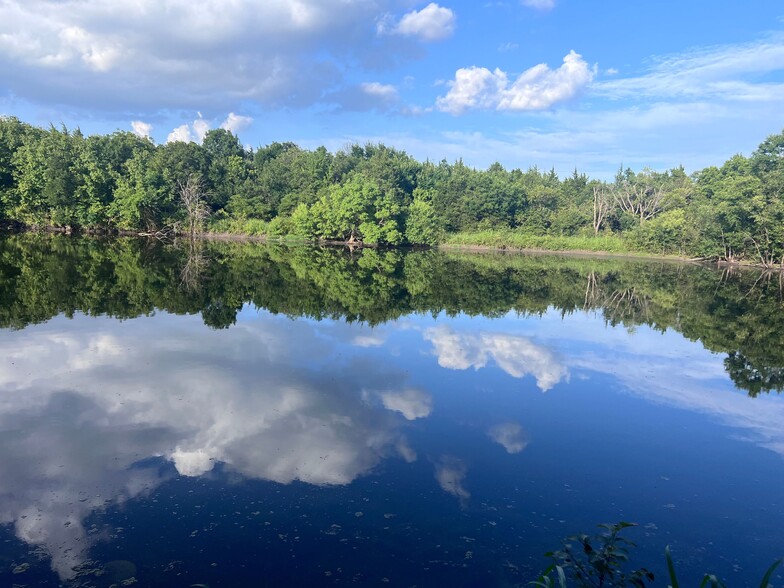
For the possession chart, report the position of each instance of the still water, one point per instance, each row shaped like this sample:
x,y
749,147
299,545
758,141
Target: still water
x,y
241,415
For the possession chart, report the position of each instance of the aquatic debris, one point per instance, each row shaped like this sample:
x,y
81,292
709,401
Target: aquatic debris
x,y
20,569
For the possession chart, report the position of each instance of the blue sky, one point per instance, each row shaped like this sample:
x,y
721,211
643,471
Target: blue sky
x,y
553,83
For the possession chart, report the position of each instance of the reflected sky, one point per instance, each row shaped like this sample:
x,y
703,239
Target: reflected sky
x,y
90,406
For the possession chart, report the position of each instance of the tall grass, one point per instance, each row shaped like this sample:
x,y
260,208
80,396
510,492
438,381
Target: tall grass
x,y
253,227
509,239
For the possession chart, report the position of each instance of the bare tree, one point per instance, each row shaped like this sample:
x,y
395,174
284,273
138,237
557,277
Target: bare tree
x,y
640,196
194,266
192,192
601,205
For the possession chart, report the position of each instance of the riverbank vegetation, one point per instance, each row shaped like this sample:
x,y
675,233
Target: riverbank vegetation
x,y
374,194
739,313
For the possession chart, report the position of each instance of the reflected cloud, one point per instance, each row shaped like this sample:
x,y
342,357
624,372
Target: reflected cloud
x,y
515,355
84,402
668,369
412,404
450,474
405,450
64,460
510,436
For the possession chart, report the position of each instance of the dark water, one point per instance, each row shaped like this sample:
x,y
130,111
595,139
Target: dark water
x,y
241,415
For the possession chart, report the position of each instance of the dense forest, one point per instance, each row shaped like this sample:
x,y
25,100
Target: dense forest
x,y
737,312
376,194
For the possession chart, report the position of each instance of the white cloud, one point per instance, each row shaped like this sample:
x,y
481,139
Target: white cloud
x,y
539,4
371,340
181,133
382,91
141,129
236,123
412,404
432,23
724,73
515,355
450,474
510,436
537,88
193,132
200,128
128,54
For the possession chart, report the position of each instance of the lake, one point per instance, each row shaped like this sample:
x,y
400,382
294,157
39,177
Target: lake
x,y
228,414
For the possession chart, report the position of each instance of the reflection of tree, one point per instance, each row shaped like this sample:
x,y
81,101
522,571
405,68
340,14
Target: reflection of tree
x,y
627,303
194,266
736,311
753,378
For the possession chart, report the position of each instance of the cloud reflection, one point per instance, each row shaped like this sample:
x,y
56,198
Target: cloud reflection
x,y
450,474
412,404
84,402
510,436
515,355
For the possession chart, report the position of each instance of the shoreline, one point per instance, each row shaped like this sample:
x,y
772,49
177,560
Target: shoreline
x,y
447,247
630,255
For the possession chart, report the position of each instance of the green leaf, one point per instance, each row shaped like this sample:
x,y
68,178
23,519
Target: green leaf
x,y
766,578
670,568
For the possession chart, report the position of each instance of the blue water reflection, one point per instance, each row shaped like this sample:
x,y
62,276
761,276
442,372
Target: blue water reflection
x,y
428,450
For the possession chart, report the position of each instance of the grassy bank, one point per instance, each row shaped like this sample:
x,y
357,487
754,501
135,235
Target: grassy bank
x,y
508,239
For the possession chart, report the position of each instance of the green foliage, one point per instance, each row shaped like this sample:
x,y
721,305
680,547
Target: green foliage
x,y
279,226
422,226
595,561
508,239
376,194
253,227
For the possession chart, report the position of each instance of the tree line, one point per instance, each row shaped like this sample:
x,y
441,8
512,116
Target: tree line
x,y
739,313
376,194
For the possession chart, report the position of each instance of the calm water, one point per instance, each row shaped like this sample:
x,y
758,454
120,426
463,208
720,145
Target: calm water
x,y
240,415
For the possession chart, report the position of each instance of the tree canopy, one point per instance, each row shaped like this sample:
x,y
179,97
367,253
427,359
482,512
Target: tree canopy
x,y
376,194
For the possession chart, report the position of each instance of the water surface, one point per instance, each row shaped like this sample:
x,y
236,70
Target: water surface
x,y
227,414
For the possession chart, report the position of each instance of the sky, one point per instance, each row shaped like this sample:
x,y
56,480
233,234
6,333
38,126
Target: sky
x,y
558,84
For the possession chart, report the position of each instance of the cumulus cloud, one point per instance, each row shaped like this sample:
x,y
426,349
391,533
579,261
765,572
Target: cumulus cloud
x,y
119,55
141,129
236,123
181,133
193,132
510,436
537,88
432,23
517,356
200,128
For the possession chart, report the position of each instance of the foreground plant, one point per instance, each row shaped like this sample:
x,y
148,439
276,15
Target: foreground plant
x,y
597,562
